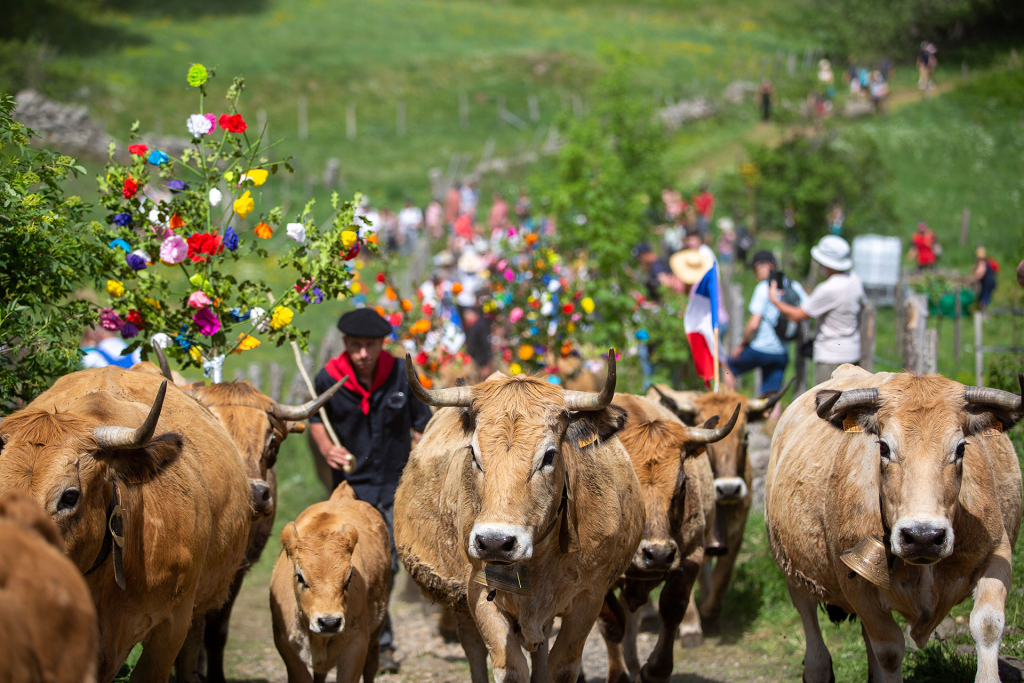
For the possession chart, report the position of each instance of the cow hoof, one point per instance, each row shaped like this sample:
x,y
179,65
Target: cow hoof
x,y
582,677
831,678
710,626
691,639
647,677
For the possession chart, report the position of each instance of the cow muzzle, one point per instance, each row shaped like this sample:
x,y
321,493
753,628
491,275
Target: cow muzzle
x,y
656,556
500,543
922,541
327,624
262,499
730,489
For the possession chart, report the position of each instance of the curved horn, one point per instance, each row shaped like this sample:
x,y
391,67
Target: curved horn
x,y
307,409
766,403
584,400
452,397
124,438
676,406
165,367
997,398
699,435
833,403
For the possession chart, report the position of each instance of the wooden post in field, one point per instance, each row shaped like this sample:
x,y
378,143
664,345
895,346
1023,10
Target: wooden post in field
x,y
255,371
914,333
463,110
400,119
897,308
534,108
979,354
965,225
868,316
350,122
303,119
275,375
931,351
958,314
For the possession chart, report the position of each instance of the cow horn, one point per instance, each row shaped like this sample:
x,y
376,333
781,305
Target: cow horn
x,y
161,357
832,403
701,435
997,398
677,407
307,409
124,438
585,400
763,405
452,397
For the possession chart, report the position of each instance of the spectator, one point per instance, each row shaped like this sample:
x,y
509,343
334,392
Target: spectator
x,y
387,228
468,199
433,219
410,220
726,239
478,339
704,203
879,90
984,275
926,63
1020,273
451,205
103,347
835,303
497,218
764,94
761,346
523,205
657,273
923,247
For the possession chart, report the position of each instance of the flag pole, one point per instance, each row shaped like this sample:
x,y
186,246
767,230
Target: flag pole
x,y
715,361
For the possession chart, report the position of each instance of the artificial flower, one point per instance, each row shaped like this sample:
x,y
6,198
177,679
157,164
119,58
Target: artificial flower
x,y
420,326
233,123
110,320
525,352
130,187
115,288
176,222
515,369
258,176
129,330
156,157
348,238
229,176
203,244
281,316
195,354
406,305
515,315
135,318
212,118
372,239
642,335
315,296
138,150
547,309
554,285
427,309
244,205
356,287
395,319
259,319
351,253
160,339
207,322
120,244
457,288
197,75
237,315
421,358
176,186
246,342
297,231
566,349
264,231
425,381
153,303
230,239
215,196
199,300
198,125
531,238
173,250
568,308
124,219
135,262
380,278
391,294
587,304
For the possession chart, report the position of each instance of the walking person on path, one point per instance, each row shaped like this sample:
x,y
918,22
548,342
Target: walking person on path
x,y
375,417
984,275
835,303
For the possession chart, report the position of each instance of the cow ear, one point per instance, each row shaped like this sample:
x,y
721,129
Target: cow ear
x,y
855,416
586,427
137,465
289,538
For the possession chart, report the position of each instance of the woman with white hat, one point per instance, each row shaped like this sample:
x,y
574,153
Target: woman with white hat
x,y
835,303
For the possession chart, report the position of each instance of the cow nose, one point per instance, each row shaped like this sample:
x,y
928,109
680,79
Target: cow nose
x,y
262,500
495,546
659,556
505,543
729,489
329,624
923,540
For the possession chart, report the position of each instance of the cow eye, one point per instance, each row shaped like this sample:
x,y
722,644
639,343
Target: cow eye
x,y
68,499
301,579
549,458
961,447
349,579
476,463
884,452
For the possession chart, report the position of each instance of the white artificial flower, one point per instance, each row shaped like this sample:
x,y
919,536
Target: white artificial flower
x,y
145,257
154,216
297,231
259,318
552,328
554,286
547,309
198,125
160,339
215,196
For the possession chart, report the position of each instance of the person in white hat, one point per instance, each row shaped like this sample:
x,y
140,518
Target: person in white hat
x,y
835,303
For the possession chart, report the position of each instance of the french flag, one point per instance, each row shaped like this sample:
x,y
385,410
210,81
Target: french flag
x,y
701,324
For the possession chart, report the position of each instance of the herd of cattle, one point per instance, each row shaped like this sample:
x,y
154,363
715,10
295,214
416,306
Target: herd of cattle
x,y
131,508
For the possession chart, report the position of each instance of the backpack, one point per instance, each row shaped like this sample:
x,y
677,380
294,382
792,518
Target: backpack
x,y
785,329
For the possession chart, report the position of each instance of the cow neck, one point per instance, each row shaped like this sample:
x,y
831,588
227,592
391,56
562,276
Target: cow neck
x,y
113,538
567,540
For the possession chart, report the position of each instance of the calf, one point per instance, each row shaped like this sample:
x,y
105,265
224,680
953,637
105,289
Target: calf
x,y
329,590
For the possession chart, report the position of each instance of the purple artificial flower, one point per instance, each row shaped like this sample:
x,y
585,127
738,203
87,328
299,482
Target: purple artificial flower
x,y
318,296
129,330
123,219
230,239
135,262
176,186
207,322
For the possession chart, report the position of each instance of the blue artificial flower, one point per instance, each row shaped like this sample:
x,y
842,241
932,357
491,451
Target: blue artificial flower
x,y
129,330
237,315
176,186
642,335
230,239
123,219
135,262
552,379
533,330
156,157
183,339
121,244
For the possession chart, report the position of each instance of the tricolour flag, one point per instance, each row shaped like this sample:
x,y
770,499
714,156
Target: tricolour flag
x,y
701,323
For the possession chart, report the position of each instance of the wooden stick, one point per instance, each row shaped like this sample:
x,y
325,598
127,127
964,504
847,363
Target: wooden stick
x,y
715,361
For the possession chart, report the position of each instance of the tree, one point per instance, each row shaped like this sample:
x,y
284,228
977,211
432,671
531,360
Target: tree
x,y
47,250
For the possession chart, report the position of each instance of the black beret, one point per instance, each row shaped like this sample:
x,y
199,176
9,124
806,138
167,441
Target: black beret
x,y
364,322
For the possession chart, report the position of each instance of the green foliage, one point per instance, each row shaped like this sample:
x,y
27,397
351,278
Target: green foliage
x,y
609,174
46,251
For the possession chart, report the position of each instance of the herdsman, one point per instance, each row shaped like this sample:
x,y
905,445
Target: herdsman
x,y
375,417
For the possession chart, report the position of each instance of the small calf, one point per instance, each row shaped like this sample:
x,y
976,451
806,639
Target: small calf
x,y
48,626
329,591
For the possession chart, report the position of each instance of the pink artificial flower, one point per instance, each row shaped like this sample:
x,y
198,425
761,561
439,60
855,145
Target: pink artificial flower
x,y
110,320
174,249
199,300
212,118
515,315
207,322
509,275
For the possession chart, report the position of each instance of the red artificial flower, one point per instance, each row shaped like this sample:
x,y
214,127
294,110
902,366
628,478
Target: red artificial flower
x,y
233,123
130,187
507,355
395,319
176,222
568,308
427,309
138,150
535,303
202,244
351,253
380,278
421,358
135,318
577,295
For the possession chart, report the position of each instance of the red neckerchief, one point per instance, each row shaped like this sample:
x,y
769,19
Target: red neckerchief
x,y
342,365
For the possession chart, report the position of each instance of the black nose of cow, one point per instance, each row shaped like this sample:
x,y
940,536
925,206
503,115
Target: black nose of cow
x,y
923,540
728,490
262,500
329,624
495,547
659,556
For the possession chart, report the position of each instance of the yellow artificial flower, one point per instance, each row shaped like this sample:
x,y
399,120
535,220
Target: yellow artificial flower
x,y
356,287
193,351
258,176
115,288
282,316
229,176
153,303
570,328
197,75
515,369
359,264
246,342
348,238
244,205
587,304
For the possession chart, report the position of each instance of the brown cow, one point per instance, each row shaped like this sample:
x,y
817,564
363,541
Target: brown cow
x,y
675,476
47,620
733,495
923,465
519,505
149,494
329,591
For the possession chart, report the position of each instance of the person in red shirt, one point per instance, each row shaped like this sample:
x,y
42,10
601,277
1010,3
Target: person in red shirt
x,y
704,202
923,247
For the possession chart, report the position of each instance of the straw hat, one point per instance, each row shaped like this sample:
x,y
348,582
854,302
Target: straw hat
x,y
689,265
832,251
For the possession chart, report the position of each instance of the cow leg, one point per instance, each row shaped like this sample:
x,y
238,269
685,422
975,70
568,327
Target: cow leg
x,y
885,641
474,647
322,678
671,606
817,660
186,664
162,646
298,672
613,629
351,663
987,617
215,639
721,575
691,633
631,630
372,656
567,653
539,659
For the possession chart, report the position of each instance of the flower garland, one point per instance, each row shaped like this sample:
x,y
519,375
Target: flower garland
x,y
182,223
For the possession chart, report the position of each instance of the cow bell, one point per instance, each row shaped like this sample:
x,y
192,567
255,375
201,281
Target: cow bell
x,y
870,560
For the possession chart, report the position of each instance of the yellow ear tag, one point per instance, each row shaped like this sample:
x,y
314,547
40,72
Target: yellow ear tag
x,y
851,426
995,430
587,440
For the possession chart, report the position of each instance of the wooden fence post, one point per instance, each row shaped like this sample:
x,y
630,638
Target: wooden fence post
x,y
914,332
958,314
931,351
965,225
897,308
255,371
350,122
303,118
275,374
868,315
979,354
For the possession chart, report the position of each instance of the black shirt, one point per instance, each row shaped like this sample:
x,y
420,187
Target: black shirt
x,y
658,267
380,441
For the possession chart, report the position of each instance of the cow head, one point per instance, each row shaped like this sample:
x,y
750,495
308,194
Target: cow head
x,y
657,448
527,453
924,428
322,560
69,464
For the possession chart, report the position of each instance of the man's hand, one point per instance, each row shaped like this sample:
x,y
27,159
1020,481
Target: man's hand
x,y
736,351
773,292
337,457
